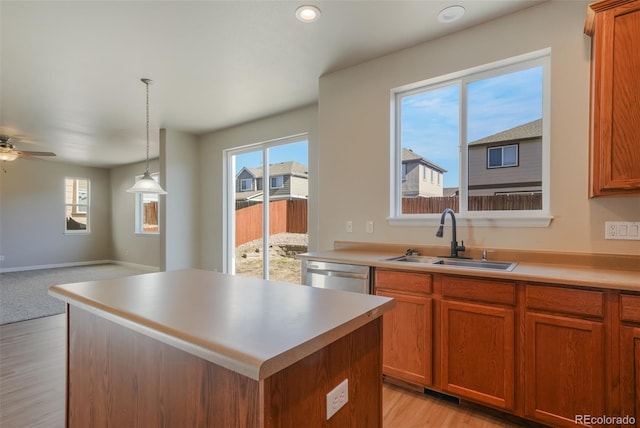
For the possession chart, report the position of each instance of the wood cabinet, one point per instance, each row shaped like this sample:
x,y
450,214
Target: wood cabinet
x,y
630,356
407,328
564,354
478,340
544,352
615,95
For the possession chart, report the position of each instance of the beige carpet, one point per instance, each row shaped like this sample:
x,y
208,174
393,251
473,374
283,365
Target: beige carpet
x,y
23,295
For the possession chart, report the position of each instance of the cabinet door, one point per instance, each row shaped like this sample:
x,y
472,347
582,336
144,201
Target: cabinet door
x,y
564,376
615,94
406,338
630,372
478,352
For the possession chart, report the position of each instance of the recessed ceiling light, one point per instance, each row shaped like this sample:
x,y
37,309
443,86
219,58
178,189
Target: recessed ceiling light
x,y
307,13
450,14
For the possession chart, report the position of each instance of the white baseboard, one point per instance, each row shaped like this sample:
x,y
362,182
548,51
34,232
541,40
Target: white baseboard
x,y
137,266
87,263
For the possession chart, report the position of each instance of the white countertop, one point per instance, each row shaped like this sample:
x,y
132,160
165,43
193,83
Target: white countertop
x,y
251,326
560,273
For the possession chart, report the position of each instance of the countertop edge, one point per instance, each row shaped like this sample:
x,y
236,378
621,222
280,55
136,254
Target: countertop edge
x,y
139,325
246,365
285,359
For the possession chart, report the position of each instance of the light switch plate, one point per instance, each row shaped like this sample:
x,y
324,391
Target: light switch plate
x,y
370,226
626,230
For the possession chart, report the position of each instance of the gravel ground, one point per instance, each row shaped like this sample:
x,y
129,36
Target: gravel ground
x,y
282,266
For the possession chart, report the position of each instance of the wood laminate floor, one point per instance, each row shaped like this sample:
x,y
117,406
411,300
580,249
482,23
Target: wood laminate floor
x,y
32,369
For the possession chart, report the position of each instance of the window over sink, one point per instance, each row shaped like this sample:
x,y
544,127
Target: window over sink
x,y
484,133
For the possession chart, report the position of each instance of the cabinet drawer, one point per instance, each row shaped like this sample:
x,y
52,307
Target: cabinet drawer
x,y
403,281
479,290
565,300
630,307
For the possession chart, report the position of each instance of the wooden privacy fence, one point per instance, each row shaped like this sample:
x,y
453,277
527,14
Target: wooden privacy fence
x,y
150,217
507,202
284,217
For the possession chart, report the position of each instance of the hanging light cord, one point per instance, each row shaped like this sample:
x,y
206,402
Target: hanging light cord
x,y
147,184
147,82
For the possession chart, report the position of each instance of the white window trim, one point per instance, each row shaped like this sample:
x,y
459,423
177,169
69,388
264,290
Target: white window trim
x,y
228,221
502,165
243,180
524,218
138,228
278,178
88,205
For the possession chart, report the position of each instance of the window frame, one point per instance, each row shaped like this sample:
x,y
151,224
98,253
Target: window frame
x,y
139,208
502,164
515,218
278,178
75,205
229,196
244,180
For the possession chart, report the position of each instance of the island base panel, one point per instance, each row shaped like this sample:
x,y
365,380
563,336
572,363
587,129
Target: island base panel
x,y
118,377
298,393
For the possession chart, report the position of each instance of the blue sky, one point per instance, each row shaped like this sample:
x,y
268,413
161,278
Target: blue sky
x,y
430,120
295,151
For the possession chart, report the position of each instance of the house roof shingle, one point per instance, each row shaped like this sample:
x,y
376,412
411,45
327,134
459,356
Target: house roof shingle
x,y
282,168
409,155
526,131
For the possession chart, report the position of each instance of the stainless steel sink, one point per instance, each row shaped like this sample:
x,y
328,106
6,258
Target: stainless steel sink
x,y
455,262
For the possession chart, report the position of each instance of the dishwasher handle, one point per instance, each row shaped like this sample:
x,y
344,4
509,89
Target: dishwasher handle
x,y
338,273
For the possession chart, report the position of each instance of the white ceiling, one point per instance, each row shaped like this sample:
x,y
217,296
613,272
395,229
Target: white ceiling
x,y
70,70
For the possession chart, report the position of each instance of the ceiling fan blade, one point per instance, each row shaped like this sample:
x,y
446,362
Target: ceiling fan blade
x,y
29,153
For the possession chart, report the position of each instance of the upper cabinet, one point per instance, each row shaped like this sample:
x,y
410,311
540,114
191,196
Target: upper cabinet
x,y
614,26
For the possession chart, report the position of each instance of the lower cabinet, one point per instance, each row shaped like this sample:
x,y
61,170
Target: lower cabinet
x,y
478,340
406,338
560,355
564,369
630,357
630,369
564,355
407,328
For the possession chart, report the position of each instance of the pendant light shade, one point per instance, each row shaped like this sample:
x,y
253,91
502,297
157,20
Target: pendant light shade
x,y
147,184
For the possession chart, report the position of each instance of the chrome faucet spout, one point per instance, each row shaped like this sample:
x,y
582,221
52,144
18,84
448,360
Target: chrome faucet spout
x,y
455,248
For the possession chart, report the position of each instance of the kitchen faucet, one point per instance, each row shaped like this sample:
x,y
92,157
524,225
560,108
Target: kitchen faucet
x,y
455,248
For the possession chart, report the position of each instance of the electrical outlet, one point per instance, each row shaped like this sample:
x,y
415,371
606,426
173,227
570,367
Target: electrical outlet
x,y
1,258
626,230
337,397
370,226
349,226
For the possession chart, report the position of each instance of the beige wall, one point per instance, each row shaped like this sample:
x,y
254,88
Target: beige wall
x,y
354,124
32,215
129,247
180,215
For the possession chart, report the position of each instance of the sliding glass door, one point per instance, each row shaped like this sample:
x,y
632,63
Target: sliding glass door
x,y
266,208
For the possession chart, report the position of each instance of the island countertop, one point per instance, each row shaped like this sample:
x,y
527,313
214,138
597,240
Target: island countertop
x,y
250,326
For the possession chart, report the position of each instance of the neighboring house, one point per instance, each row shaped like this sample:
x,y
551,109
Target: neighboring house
x,y
507,162
420,177
288,180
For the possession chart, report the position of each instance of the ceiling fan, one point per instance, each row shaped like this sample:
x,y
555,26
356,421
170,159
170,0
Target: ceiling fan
x,y
8,151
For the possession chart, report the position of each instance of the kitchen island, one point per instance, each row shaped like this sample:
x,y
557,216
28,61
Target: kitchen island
x,y
199,348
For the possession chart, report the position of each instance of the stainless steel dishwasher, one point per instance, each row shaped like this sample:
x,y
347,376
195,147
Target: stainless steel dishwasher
x,y
338,276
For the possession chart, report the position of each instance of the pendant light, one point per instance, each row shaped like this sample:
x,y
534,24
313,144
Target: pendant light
x,y
147,184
